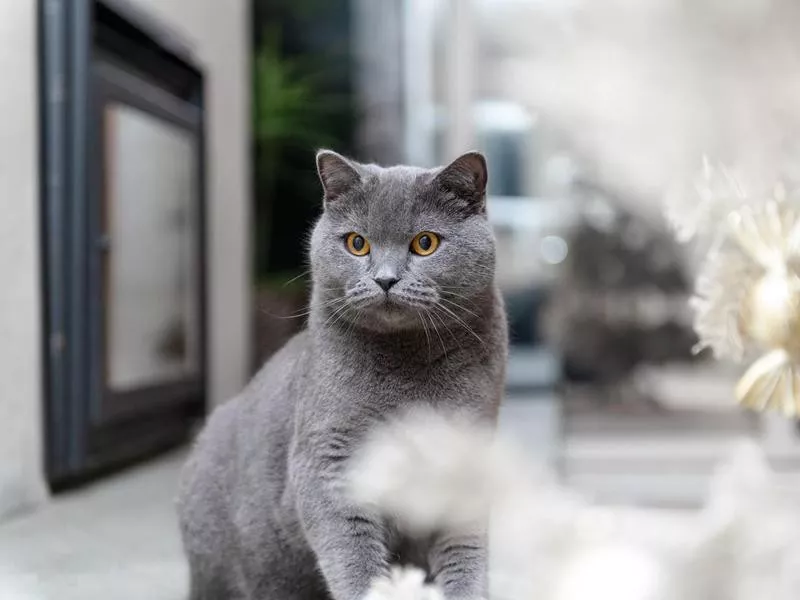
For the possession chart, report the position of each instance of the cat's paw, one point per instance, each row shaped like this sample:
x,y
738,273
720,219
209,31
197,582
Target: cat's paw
x,y
403,584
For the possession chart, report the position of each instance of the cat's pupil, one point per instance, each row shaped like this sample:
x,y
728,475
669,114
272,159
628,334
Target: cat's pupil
x,y
358,243
425,242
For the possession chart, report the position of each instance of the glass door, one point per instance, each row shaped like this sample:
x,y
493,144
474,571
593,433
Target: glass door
x,y
149,227
147,258
123,229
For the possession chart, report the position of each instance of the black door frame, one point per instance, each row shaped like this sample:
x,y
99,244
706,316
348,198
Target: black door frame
x,y
80,44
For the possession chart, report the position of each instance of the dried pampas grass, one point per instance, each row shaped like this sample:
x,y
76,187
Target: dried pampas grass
x,y
431,471
404,584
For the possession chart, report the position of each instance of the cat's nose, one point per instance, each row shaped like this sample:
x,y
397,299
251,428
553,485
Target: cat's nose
x,y
386,282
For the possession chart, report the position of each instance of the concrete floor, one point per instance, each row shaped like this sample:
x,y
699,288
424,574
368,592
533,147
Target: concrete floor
x,y
114,540
118,539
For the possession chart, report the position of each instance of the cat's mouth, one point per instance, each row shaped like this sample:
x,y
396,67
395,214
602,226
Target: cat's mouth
x,y
391,301
392,310
389,304
391,307
394,314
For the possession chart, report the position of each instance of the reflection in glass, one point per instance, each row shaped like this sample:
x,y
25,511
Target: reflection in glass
x,y
150,214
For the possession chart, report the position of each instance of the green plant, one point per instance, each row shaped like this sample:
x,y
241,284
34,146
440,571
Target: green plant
x,y
302,101
286,113
288,108
295,112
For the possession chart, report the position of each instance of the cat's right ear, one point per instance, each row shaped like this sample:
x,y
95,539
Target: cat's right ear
x,y
337,174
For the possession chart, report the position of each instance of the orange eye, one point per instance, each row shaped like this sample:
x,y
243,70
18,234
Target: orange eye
x,y
425,243
357,244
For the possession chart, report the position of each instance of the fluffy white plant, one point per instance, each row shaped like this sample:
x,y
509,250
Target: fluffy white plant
x,y
429,471
752,530
404,584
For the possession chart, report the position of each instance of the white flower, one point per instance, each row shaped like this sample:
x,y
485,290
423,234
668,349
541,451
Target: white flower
x,y
695,211
403,584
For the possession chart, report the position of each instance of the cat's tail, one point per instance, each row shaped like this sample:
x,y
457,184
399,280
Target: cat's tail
x,y
429,472
424,472
404,584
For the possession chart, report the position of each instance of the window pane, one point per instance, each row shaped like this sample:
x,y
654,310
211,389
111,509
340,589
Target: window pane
x,y
151,271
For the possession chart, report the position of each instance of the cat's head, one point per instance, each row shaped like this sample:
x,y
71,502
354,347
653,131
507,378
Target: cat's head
x,y
401,246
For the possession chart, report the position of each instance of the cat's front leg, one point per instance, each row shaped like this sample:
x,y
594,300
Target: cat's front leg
x,y
350,544
459,565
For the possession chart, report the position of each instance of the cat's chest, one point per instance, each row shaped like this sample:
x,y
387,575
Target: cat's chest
x,y
389,374
388,380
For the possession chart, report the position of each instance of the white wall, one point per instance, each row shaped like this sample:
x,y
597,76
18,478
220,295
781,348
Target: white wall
x,y
21,479
219,31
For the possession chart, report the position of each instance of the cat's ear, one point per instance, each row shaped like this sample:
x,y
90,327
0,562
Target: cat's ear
x,y
337,174
466,177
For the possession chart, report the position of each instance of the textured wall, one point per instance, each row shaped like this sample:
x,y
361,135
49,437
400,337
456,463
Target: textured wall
x,y
219,32
21,479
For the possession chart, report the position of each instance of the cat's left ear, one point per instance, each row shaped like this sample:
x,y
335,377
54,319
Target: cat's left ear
x,y
466,177
337,174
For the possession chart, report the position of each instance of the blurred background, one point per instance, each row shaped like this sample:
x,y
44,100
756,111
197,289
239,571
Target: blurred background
x,y
158,184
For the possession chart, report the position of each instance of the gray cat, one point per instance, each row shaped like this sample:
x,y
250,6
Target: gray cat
x,y
404,311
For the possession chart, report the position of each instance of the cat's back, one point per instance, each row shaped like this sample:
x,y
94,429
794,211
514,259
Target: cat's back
x,y
266,402
278,375
245,431
237,467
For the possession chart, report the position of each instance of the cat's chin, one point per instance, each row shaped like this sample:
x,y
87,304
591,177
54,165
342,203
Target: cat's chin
x,y
388,322
386,316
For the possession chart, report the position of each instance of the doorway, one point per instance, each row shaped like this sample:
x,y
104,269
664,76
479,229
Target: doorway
x,y
124,237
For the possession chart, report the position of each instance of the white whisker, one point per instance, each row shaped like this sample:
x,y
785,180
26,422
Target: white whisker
x,y
427,336
436,329
459,307
461,322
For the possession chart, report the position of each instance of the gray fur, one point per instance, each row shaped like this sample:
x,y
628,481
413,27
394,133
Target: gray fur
x,y
262,510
